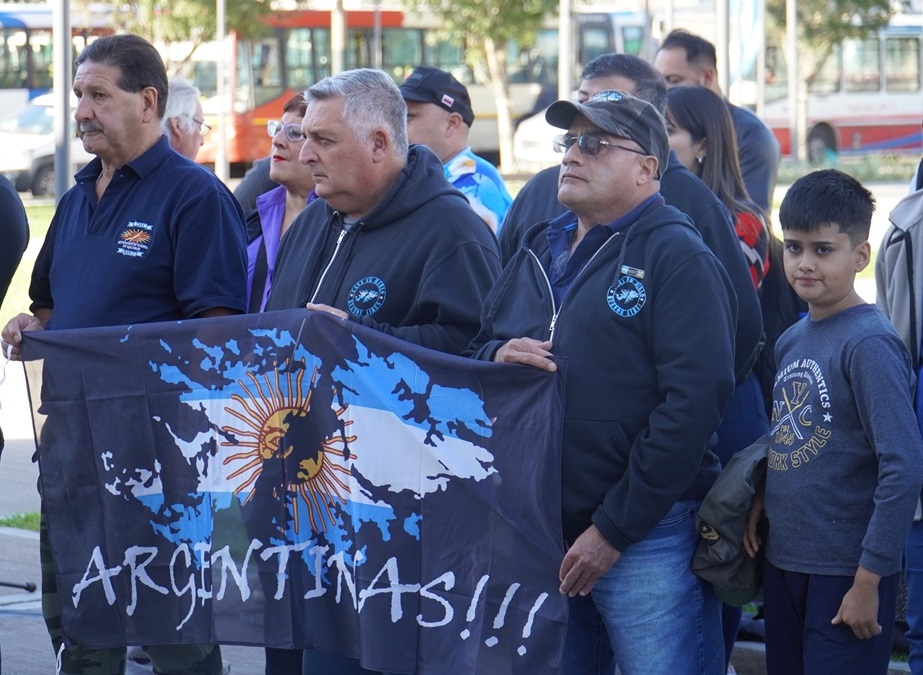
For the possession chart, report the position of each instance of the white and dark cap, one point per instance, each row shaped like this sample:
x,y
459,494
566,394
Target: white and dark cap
x,y
432,85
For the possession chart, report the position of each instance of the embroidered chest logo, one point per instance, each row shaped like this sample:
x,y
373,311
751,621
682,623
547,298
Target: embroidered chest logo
x,y
135,240
366,296
800,415
626,297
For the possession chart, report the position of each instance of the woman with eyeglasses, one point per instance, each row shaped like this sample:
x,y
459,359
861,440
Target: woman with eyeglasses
x,y
275,210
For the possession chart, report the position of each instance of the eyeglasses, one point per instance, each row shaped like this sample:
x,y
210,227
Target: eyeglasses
x,y
203,128
293,132
588,144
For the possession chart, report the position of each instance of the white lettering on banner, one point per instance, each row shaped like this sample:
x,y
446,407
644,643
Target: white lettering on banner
x,y
189,578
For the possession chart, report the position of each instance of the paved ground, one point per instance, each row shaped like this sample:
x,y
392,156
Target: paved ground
x,y
24,643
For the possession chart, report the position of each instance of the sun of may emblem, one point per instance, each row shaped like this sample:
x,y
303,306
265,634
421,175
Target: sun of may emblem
x,y
135,235
271,407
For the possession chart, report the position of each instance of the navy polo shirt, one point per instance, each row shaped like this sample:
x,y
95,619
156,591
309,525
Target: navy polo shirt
x,y
166,242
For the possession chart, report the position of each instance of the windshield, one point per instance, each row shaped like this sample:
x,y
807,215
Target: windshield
x,y
34,119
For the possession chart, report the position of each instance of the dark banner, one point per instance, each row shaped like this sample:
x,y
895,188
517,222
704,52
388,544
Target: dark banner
x,y
293,480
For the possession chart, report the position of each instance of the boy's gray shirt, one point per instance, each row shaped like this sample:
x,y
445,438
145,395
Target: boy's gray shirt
x,y
846,460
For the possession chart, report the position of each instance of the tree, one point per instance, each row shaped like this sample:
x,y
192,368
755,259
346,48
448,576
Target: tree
x,y
821,26
487,28
187,22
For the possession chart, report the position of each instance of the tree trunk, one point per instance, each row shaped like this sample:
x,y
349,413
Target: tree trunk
x,y
499,87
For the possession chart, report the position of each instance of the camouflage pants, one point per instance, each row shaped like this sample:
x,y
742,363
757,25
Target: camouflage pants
x,y
76,660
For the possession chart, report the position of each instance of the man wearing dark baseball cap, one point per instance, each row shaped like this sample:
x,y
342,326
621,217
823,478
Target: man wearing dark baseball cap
x,y
622,115
623,288
439,116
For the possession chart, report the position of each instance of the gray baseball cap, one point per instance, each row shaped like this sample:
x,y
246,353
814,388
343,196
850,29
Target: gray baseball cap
x,y
621,114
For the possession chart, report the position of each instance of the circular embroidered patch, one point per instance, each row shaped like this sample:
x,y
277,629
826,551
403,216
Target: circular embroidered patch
x,y
626,297
366,296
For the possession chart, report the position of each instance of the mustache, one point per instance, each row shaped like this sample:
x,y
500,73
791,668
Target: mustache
x,y
86,127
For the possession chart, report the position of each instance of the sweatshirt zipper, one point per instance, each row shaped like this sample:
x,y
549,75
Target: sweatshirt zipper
x,y
555,311
329,263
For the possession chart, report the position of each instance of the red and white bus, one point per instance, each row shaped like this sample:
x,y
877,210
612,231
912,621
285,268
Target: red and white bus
x,y
295,52
868,98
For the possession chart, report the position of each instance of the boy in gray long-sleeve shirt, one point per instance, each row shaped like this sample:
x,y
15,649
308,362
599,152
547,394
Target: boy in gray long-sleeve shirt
x,y
846,461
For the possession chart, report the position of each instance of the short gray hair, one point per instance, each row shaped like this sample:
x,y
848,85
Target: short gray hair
x,y
372,101
182,103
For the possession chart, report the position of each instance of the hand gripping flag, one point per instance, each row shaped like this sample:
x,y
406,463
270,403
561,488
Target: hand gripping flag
x,y
293,480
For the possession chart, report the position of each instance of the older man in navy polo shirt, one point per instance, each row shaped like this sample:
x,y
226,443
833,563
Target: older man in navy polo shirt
x,y
145,235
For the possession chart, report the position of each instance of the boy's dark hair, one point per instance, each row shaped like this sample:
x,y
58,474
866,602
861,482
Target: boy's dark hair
x,y
649,83
828,197
699,51
139,63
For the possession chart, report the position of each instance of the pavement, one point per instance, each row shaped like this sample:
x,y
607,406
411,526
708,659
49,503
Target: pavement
x,y
24,645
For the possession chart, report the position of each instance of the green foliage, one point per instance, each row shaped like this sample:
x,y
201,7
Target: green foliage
x,y
191,21
822,24
502,21
22,521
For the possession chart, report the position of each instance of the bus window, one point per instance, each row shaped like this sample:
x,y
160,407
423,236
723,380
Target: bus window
x,y
539,64
776,74
902,64
827,80
402,51
14,63
358,44
41,50
862,65
301,47
205,76
266,70
447,56
596,40
633,40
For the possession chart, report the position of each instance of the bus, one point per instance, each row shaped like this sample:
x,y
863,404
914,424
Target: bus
x,y
867,98
295,52
26,50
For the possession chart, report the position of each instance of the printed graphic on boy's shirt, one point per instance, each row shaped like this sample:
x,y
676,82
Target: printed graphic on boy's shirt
x,y
800,415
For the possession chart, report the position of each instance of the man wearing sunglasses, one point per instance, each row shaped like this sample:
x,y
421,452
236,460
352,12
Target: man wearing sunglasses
x,y
623,287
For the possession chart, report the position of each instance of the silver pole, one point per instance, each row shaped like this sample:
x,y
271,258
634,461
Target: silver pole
x,y
567,54
221,156
61,37
338,39
791,38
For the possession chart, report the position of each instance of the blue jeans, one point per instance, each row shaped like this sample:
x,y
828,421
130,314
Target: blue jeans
x,y
658,616
913,576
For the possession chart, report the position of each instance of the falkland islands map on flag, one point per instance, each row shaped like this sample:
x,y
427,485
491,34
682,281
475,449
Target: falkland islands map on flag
x,y
293,480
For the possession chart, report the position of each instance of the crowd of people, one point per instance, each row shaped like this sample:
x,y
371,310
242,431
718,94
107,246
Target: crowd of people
x,y
643,259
